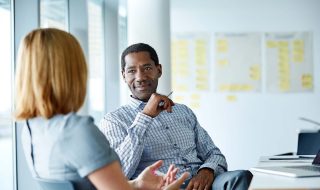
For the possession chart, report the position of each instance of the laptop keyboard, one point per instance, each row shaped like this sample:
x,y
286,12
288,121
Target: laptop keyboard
x,y
308,168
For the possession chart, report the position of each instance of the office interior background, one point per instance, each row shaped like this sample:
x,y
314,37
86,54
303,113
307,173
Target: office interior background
x,y
245,123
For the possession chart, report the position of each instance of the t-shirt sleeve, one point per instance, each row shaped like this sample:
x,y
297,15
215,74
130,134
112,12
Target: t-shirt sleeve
x,y
84,147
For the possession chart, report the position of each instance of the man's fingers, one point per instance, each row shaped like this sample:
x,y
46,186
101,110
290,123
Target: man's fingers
x,y
190,185
168,105
201,186
196,185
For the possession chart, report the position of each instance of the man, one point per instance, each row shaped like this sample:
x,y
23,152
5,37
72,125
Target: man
x,y
152,127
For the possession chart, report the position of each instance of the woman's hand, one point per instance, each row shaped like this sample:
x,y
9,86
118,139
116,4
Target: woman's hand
x,y
148,180
175,185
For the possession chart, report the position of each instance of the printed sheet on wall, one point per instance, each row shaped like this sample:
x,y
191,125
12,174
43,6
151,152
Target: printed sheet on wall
x,y
289,62
237,65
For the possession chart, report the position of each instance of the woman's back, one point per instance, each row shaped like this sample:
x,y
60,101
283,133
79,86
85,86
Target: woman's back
x,y
63,148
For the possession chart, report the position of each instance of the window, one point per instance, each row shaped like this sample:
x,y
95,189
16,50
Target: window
x,y
96,88
54,14
6,83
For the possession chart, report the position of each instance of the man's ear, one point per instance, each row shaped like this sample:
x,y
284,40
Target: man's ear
x,y
159,67
123,76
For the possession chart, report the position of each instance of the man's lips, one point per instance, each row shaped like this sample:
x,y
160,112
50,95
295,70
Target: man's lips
x,y
143,87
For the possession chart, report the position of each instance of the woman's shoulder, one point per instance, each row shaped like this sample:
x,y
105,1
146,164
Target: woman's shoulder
x,y
79,124
74,119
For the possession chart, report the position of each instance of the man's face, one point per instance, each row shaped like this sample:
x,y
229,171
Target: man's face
x,y
141,74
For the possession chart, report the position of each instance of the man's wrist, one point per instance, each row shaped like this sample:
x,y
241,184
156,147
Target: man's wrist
x,y
207,171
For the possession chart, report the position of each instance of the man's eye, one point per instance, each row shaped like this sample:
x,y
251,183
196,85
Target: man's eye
x,y
130,71
148,68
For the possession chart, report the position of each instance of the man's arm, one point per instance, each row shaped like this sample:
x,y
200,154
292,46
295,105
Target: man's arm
x,y
214,161
128,142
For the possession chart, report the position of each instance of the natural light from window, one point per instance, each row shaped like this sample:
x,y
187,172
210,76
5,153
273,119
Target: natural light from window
x,y
6,163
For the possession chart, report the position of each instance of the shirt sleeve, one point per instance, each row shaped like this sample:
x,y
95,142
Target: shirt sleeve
x,y
207,151
128,141
84,147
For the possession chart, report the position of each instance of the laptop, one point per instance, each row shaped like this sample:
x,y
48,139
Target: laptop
x,y
294,171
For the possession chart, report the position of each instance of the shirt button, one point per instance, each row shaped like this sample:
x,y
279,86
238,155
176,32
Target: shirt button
x,y
167,127
174,144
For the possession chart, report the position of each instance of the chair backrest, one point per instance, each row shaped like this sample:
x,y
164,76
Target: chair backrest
x,y
46,184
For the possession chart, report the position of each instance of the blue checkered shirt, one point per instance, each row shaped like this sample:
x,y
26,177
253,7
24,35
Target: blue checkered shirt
x,y
175,137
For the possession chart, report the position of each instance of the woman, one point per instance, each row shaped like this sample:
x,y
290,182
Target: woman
x,y
51,85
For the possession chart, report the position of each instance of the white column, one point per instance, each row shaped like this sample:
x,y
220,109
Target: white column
x,y
149,22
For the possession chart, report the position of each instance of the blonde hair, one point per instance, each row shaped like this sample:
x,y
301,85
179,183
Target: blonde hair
x,y
51,75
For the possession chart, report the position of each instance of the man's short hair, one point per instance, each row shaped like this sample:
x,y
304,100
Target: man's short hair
x,y
139,47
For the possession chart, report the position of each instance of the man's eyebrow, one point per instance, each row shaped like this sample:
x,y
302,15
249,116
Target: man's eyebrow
x,y
144,65
147,64
130,67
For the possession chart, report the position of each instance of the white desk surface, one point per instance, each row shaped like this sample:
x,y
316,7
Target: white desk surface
x,y
269,181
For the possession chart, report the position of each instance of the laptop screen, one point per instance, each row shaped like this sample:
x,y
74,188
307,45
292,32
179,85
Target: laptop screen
x,y
308,143
316,160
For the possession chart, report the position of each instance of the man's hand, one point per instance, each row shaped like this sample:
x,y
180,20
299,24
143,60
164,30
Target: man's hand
x,y
203,180
153,107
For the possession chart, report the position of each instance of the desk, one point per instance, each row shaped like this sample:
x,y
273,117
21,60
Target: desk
x,y
268,181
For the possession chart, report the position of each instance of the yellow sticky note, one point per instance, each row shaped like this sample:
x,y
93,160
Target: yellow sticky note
x,y
195,96
298,43
202,72
283,68
222,46
182,43
246,87
272,44
223,62
202,86
224,87
202,78
195,105
284,85
298,50
201,42
255,72
283,57
234,87
231,98
283,44
298,58
200,60
307,81
284,50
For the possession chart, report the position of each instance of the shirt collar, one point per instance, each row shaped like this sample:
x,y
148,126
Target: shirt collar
x,y
136,104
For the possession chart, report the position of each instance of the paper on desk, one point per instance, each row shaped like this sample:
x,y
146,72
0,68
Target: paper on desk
x,y
291,158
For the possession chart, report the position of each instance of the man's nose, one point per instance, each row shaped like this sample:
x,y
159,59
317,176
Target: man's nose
x,y
140,75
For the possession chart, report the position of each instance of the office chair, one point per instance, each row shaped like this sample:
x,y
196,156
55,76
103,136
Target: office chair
x,y
46,184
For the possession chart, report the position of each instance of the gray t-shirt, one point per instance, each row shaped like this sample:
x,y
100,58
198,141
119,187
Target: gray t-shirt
x,y
66,147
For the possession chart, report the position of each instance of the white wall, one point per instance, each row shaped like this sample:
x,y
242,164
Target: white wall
x,y
256,123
